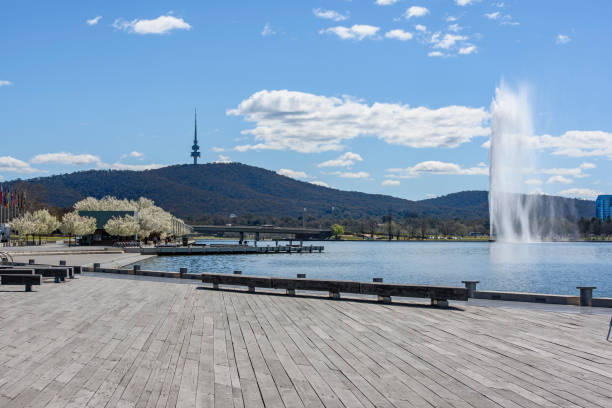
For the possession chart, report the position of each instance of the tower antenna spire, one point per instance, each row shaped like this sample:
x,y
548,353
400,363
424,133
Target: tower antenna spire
x,y
195,149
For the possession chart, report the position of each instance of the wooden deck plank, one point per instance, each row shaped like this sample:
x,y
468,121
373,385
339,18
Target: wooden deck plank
x,y
101,342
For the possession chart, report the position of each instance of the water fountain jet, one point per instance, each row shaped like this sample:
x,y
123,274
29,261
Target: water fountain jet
x,y
511,157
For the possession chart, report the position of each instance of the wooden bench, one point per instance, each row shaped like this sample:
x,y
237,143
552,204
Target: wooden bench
x,y
439,295
27,279
58,273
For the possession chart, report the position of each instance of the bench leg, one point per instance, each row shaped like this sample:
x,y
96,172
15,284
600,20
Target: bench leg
x,y
28,287
334,295
290,292
251,289
443,304
384,299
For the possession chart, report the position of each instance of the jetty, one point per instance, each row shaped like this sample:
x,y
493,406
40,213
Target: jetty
x,y
224,249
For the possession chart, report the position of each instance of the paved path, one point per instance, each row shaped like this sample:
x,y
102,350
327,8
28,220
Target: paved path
x,y
101,342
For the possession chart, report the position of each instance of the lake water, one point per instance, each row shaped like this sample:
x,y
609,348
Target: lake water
x,y
540,267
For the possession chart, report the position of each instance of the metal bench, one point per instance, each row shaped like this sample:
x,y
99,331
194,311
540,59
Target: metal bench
x,y
20,279
439,295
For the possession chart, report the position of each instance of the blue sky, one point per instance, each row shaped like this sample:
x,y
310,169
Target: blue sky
x,y
389,98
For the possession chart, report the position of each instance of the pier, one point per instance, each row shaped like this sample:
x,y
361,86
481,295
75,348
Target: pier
x,y
221,249
299,234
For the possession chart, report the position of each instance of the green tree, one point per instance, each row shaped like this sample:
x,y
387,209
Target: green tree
x,y
338,230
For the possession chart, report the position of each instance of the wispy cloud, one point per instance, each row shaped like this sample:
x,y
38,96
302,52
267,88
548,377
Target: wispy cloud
x,y
267,30
351,175
577,143
389,183
294,174
563,39
437,167
356,32
159,25
222,159
346,160
304,122
469,49
399,34
329,14
579,193
5,83
94,21
11,164
66,158
319,183
465,2
386,2
415,11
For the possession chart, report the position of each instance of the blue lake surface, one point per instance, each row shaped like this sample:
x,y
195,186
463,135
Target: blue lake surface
x,y
536,267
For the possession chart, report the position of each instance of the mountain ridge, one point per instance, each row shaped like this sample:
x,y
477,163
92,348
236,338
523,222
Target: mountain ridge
x,y
190,192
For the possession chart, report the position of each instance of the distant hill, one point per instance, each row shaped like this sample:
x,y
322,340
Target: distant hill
x,y
191,191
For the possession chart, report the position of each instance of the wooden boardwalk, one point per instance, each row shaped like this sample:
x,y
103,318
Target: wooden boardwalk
x,y
104,342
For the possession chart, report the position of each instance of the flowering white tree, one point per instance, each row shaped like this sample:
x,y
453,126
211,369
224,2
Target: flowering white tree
x,y
74,224
25,225
45,223
151,218
122,226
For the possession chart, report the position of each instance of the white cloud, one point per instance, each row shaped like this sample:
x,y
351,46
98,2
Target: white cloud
x,y
559,179
450,19
356,32
448,41
420,27
223,159
320,183
136,154
160,25
94,21
8,163
437,167
351,175
66,158
346,160
416,11
133,167
386,2
308,123
465,2
267,30
577,143
329,14
486,145
469,49
399,34
493,16
455,28
534,182
579,193
563,39
572,172
292,173
5,83
435,54
387,183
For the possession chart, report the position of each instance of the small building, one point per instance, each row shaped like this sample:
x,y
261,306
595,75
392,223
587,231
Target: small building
x,y
602,206
100,236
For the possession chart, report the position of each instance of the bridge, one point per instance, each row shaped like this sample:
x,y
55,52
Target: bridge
x,y
297,232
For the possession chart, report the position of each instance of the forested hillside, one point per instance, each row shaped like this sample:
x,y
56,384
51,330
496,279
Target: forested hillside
x,y
198,192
